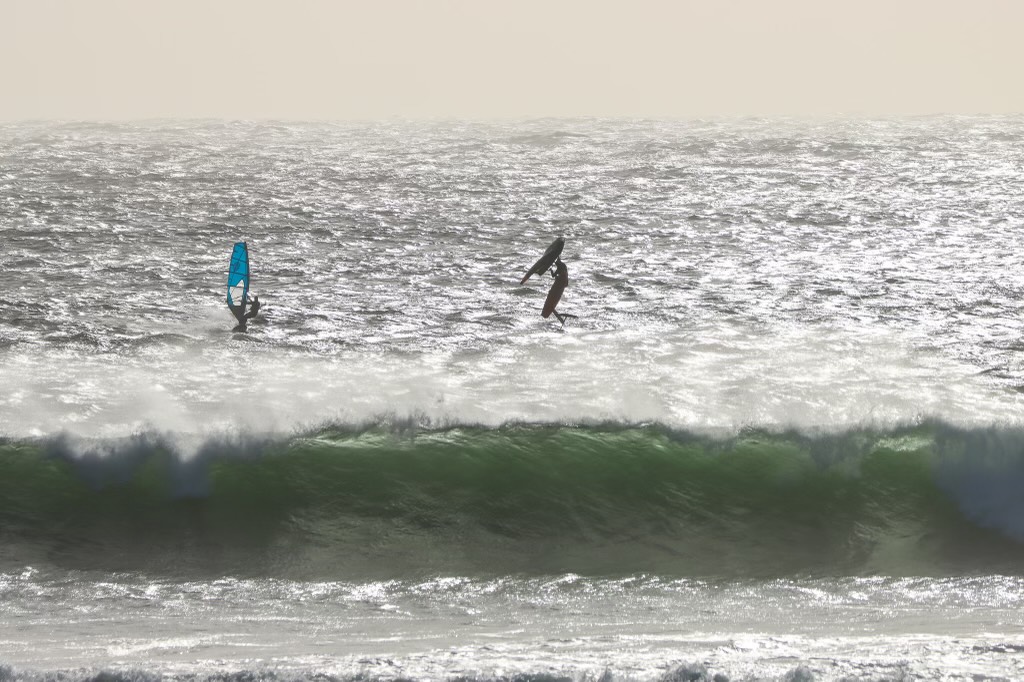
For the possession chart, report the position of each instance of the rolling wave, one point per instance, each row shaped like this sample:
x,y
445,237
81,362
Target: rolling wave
x,y
602,499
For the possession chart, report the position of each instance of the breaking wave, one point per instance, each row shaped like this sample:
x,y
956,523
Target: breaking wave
x,y
601,499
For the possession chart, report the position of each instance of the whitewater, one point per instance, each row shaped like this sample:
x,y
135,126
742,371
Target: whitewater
x,y
781,439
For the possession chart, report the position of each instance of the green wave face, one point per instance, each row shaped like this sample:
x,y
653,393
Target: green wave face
x,y
532,499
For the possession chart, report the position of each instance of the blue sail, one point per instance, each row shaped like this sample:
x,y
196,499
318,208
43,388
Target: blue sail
x,y
238,275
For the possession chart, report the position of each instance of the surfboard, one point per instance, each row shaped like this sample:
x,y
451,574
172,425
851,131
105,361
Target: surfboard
x,y
238,275
545,261
555,293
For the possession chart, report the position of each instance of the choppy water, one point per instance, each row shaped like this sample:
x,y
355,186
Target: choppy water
x,y
782,438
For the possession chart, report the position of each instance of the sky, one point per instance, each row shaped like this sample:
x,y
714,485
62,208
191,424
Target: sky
x,y
479,59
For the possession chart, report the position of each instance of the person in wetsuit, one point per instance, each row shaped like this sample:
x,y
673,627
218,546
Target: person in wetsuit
x,y
254,308
561,274
241,315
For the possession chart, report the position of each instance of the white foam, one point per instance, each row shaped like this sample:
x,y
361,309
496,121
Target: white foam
x,y
726,378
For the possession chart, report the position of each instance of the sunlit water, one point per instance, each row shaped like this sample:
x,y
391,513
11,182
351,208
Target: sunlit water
x,y
822,275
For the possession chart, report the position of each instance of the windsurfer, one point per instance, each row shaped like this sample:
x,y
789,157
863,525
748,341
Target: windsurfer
x,y
241,315
239,312
254,308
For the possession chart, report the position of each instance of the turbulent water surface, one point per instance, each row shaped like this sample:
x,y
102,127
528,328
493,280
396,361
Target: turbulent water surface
x,y
781,439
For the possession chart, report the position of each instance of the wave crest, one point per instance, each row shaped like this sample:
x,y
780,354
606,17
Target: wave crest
x,y
613,498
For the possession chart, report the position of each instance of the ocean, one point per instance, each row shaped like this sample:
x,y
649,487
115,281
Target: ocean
x,y
781,439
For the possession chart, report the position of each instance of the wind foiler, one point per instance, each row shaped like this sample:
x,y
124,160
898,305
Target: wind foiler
x,y
560,273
